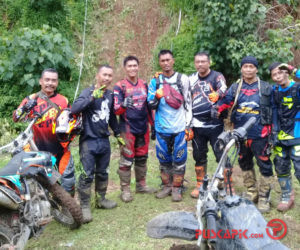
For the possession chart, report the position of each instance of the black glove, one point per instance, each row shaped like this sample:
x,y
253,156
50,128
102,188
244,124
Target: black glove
x,y
153,133
29,105
274,138
214,113
128,102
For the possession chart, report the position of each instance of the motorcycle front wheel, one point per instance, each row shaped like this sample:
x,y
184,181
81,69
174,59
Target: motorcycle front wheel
x,y
6,235
64,208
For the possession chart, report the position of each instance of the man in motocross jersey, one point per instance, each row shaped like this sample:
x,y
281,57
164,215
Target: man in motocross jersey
x,y
43,135
96,104
172,124
286,129
253,99
130,102
207,87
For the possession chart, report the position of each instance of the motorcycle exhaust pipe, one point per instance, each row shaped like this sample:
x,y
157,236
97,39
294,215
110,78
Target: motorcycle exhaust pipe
x,y
9,199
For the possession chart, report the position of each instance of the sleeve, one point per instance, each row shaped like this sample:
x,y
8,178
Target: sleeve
x,y
221,85
274,112
297,74
187,99
227,100
113,121
83,101
118,99
152,100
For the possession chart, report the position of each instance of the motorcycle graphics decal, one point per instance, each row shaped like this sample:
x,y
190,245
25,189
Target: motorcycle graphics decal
x,y
15,179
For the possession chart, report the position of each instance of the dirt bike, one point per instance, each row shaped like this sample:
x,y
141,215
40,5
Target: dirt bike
x,y
222,220
30,194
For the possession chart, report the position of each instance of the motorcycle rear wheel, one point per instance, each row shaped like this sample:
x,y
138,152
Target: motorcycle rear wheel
x,y
64,208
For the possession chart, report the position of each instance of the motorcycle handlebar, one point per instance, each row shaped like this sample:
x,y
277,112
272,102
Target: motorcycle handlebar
x,y
241,132
211,225
249,123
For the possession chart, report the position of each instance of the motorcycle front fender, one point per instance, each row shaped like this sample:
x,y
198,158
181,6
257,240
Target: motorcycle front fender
x,y
9,199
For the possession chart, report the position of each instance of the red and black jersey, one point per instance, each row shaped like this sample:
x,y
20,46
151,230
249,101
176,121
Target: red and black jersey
x,y
42,129
135,117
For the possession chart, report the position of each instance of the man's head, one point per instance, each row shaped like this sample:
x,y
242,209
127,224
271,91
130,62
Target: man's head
x,y
104,75
202,63
279,76
131,66
49,81
166,61
249,68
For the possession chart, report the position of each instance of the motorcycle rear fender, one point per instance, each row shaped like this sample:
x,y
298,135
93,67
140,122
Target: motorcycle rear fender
x,y
9,198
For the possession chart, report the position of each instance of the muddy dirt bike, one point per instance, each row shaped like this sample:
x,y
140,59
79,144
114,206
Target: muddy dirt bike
x,y
30,195
222,221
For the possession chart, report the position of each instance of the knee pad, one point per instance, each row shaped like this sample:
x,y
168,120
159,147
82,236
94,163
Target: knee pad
x,y
126,162
141,160
179,168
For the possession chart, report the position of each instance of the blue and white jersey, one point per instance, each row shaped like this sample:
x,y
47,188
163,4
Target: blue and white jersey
x,y
168,119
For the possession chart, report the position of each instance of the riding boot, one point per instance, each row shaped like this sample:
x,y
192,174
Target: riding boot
x,y
84,197
166,189
250,183
200,173
140,169
264,193
177,187
100,190
125,177
287,194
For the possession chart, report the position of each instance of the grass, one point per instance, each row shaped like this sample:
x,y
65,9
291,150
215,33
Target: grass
x,y
125,226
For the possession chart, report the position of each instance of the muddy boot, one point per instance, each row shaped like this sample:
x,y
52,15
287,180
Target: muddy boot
x,y
287,194
140,169
84,197
228,184
264,193
166,189
250,183
100,190
200,173
177,187
125,177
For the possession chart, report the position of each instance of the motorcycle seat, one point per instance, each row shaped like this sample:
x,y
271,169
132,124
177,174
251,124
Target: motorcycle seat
x,y
13,165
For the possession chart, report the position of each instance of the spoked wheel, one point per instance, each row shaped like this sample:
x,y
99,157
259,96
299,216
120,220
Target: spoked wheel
x,y
64,208
6,235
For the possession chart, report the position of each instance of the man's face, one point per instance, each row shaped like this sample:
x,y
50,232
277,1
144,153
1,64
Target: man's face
x,y
202,64
280,77
104,76
166,62
249,71
131,68
49,83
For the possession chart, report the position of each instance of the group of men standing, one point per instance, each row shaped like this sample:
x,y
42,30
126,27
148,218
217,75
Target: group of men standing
x,y
186,108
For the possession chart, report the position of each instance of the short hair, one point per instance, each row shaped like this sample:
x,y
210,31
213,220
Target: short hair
x,y
104,66
130,58
164,52
202,53
49,70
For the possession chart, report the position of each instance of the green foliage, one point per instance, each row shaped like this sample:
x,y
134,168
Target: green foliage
x,y
30,51
230,30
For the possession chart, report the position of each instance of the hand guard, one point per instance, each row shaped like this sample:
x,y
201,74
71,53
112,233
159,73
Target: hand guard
x,y
289,68
213,96
189,134
98,93
120,140
128,102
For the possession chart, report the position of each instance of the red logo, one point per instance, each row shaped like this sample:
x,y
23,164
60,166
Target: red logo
x,y
279,229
